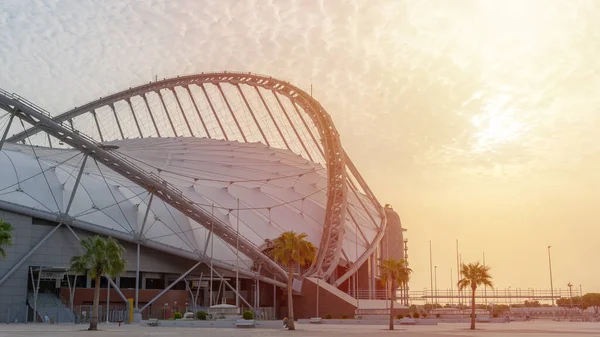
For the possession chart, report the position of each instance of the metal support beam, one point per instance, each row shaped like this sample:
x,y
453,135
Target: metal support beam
x,y
287,116
108,302
141,232
118,290
252,113
150,113
97,125
171,285
166,112
112,107
182,112
307,128
212,108
272,118
12,116
128,100
187,87
137,277
231,111
230,287
29,253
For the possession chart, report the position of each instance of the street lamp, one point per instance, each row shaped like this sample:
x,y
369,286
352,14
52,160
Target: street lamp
x,y
570,294
551,286
436,288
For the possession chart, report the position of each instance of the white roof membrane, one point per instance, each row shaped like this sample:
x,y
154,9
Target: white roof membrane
x,y
277,191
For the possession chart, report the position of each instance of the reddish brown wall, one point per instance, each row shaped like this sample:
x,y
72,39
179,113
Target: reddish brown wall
x,y
305,305
86,296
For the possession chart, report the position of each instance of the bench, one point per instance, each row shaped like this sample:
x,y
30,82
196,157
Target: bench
x,y
408,321
244,323
153,322
316,320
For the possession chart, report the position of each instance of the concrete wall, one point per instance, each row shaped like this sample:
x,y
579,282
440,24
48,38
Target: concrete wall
x,y
13,292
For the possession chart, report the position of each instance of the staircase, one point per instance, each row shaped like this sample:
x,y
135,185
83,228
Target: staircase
x,y
51,306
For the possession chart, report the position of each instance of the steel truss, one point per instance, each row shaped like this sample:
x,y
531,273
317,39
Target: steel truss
x,y
339,167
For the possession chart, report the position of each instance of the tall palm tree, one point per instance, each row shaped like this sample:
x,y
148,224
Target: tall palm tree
x,y
5,236
292,249
397,273
474,275
102,256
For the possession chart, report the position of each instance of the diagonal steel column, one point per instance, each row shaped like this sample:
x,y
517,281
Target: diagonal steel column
x,y
12,116
230,286
182,111
150,113
253,116
117,289
187,87
112,107
171,285
139,238
162,101
29,253
231,111
212,108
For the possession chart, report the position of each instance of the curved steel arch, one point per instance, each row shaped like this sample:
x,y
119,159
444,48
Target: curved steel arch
x,y
333,229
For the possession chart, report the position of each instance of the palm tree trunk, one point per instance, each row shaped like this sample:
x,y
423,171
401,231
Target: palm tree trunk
x,y
393,297
473,310
94,321
290,298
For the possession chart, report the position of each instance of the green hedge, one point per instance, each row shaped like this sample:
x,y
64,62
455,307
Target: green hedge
x,y
201,315
248,314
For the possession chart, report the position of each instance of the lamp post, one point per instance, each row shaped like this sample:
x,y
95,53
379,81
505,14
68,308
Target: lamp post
x,y
436,288
551,286
570,294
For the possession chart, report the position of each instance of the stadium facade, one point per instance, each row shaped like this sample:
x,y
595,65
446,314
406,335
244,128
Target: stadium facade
x,y
195,176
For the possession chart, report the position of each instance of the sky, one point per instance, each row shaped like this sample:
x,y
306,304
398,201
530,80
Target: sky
x,y
476,120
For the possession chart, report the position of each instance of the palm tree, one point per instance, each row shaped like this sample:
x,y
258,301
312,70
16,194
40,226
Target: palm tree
x,y
474,275
102,256
292,249
5,236
397,273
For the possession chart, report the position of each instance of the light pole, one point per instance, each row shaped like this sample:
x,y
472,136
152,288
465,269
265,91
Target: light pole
x,y
570,294
551,286
436,288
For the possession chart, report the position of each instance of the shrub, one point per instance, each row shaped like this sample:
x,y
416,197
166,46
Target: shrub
x,y
437,315
399,316
177,315
344,316
416,315
424,315
328,316
495,315
201,315
248,314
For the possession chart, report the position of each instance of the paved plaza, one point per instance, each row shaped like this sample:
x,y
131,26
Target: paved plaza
x,y
530,329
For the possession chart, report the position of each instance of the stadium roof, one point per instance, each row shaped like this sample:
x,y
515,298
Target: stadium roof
x,y
276,190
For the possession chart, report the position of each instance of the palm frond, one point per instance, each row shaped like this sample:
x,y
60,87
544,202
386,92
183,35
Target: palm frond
x,y
5,236
474,275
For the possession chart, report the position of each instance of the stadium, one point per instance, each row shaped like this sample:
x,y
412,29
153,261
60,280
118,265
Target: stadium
x,y
195,176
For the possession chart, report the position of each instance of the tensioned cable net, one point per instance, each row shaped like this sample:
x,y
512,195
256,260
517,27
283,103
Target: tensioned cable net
x,y
234,146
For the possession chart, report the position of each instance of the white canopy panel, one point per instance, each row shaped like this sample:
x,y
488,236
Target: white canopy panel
x,y
259,190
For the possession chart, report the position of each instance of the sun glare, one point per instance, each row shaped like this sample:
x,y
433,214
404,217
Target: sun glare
x,y
496,125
